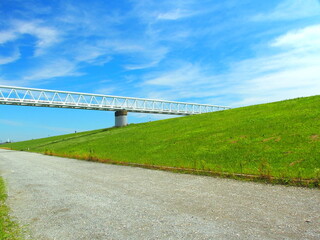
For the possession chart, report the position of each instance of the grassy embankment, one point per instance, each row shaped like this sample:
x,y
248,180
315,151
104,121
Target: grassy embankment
x,y
9,230
277,142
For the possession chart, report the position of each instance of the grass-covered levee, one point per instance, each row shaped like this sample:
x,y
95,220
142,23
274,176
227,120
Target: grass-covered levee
x,y
277,142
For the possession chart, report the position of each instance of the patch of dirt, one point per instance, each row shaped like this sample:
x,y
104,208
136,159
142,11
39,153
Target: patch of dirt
x,y
315,137
235,141
289,152
276,139
296,162
35,219
60,210
5,148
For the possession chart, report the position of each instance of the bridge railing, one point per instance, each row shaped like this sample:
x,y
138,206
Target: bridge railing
x,y
50,98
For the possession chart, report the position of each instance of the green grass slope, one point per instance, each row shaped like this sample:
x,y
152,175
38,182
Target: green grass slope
x,y
276,140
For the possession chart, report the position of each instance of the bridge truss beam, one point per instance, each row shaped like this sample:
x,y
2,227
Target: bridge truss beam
x,y
10,95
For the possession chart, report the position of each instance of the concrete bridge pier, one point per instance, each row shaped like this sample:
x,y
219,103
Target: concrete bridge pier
x,y
121,118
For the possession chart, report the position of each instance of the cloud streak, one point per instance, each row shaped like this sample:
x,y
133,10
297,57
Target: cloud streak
x,y
10,122
7,36
290,71
12,58
290,10
176,14
53,69
46,36
175,50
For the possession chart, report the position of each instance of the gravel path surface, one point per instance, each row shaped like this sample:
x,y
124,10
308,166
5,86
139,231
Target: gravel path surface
x,y
70,199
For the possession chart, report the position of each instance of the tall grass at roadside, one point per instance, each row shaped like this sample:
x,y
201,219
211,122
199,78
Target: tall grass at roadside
x,y
277,142
9,229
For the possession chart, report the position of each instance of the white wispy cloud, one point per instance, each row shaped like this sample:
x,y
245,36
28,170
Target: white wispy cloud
x,y
92,54
88,38
7,36
186,82
147,57
140,66
4,81
140,53
12,58
90,19
106,90
290,70
10,122
93,36
153,11
52,69
288,10
294,72
46,36
176,14
188,73
100,40
305,39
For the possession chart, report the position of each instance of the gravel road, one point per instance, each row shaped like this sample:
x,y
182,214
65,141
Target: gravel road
x,y
65,199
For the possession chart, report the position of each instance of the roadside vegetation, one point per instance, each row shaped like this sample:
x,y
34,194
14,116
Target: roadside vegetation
x,y
276,142
9,229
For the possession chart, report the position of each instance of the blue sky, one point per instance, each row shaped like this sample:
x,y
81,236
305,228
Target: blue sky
x,y
232,53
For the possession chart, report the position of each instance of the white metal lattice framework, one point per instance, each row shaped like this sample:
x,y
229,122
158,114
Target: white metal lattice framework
x,y
61,99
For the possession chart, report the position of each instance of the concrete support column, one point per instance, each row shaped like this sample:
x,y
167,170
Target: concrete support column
x,y
121,118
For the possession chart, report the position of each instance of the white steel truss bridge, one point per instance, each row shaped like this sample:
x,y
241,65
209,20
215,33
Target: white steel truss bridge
x,y
63,99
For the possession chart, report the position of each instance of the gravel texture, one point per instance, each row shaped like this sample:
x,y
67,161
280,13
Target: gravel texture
x,y
63,199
